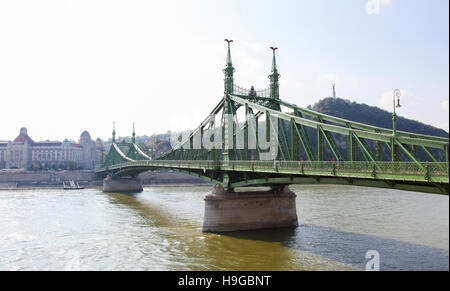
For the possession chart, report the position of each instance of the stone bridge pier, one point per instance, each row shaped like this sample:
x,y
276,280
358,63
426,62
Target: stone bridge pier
x,y
227,211
122,185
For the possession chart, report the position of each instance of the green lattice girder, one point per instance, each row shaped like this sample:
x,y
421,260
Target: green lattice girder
x,y
384,135
324,131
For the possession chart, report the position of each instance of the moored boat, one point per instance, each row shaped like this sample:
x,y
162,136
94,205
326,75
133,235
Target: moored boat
x,y
72,185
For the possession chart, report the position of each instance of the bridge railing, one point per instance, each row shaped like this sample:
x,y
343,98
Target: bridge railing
x,y
392,168
436,172
237,90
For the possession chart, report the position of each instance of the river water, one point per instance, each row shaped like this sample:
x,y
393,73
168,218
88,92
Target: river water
x,y
160,229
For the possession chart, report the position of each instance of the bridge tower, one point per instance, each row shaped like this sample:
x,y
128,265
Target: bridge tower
x,y
126,184
274,78
229,71
227,110
226,210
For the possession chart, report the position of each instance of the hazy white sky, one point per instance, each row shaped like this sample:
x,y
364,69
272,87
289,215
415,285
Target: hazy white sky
x,y
67,66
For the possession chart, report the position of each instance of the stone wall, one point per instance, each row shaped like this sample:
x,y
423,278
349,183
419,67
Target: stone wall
x,y
48,178
42,179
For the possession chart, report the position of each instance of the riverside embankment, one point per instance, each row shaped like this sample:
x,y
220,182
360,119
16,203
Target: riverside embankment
x,y
46,179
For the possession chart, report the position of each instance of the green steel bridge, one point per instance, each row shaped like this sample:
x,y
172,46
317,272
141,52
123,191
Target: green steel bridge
x,y
310,147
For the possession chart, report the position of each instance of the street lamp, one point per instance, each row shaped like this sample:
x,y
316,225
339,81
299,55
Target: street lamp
x,y
396,103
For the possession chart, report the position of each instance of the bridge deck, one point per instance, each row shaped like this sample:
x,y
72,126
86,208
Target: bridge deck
x,y
412,172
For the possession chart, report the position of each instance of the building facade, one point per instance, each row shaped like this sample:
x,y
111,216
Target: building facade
x,y
25,153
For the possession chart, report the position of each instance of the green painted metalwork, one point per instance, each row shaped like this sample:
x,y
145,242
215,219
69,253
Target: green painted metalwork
x,y
296,162
114,133
229,71
428,177
133,136
274,78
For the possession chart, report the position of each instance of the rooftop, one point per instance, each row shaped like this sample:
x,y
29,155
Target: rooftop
x,y
23,138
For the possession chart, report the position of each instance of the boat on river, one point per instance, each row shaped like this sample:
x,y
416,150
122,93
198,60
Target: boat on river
x,y
71,185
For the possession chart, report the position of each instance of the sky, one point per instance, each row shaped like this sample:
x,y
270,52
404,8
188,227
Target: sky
x,y
71,65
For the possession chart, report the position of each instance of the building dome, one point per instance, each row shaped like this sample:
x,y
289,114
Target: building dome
x,y
85,135
65,143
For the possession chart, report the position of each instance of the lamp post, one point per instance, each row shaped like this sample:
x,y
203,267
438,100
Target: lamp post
x,y
396,103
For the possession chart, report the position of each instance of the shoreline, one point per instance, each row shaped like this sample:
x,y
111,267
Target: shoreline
x,y
19,188
88,180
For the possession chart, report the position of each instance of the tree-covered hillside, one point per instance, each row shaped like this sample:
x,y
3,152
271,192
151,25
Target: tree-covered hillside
x,y
373,116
